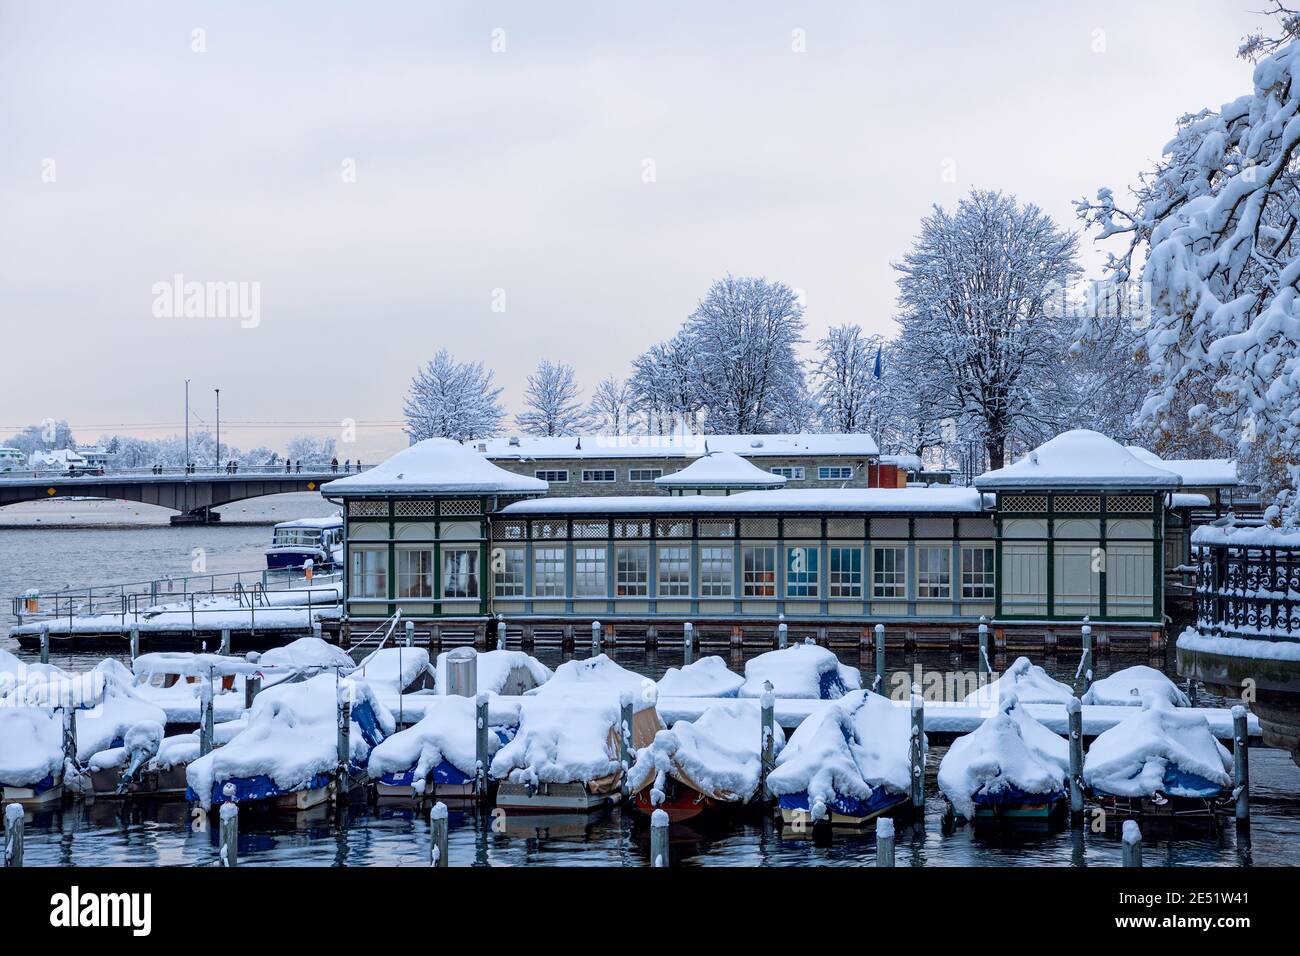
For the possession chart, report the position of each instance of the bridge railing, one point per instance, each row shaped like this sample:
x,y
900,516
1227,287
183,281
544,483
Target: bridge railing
x,y
135,597
179,471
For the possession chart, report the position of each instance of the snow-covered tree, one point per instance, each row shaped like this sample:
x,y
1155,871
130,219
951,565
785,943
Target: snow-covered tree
x,y
847,389
665,387
552,401
450,399
743,335
610,405
974,296
47,436
310,448
1212,233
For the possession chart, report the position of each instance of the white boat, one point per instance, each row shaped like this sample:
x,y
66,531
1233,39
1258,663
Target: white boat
x,y
318,540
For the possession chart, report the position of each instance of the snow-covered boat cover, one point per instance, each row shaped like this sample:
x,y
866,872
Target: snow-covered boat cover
x,y
720,469
1128,687
447,732
1079,459
435,466
1009,753
188,664
500,672
717,755
31,745
800,670
564,738
591,677
858,744
393,669
307,654
707,677
291,736
1160,749
1028,682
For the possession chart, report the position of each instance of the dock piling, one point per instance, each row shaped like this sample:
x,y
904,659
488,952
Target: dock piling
x,y
1132,844
688,643
884,841
410,633
767,742
659,839
344,754
438,835
205,718
135,642
625,750
229,839
45,642
1074,709
70,734
481,750
252,687
501,632
782,635
595,638
985,665
878,685
918,749
13,834
1241,764
224,648
1084,672
316,630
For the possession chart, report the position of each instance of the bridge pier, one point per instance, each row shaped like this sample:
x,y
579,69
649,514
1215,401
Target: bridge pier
x,y
205,515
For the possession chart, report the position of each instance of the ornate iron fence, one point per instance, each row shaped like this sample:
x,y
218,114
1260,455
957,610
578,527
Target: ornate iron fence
x,y
1248,592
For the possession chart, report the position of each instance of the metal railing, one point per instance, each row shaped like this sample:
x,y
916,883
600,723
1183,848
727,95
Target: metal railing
x,y
314,469
1248,592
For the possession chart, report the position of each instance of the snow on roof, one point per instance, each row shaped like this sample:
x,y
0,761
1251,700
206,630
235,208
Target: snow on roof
x,y
435,466
1079,459
720,469
674,446
936,500
906,462
330,521
1196,472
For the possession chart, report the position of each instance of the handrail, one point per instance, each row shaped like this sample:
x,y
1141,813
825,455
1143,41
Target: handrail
x,y
392,626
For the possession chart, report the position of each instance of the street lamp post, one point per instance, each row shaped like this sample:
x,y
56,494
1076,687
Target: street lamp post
x,y
187,425
218,391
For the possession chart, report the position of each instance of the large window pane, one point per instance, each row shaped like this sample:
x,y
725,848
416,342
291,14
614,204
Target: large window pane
x,y
674,572
933,572
758,572
508,571
716,570
802,566
589,577
370,573
977,579
846,572
460,572
414,573
632,572
889,572
548,572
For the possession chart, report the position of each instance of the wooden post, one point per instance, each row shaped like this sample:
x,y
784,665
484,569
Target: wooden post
x,y
501,632
767,740
205,717
224,647
1085,662
595,638
135,642
481,750
1241,764
344,754
410,633
229,828
918,749
438,835
884,841
688,642
13,834
985,666
1075,712
70,735
252,687
659,839
625,750
1132,844
45,642
878,685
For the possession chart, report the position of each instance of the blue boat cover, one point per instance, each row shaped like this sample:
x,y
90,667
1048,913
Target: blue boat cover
x,y
444,774
880,799
364,717
1013,796
1180,783
259,787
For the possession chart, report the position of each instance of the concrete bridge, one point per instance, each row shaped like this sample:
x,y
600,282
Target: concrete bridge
x,y
193,495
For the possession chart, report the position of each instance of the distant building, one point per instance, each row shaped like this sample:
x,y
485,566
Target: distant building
x,y
632,464
58,459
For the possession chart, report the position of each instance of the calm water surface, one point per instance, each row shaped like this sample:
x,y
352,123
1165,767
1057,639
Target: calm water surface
x,y
49,544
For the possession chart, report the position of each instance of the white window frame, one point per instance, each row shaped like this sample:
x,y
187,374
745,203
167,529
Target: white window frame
x,y
674,577
473,588
369,582
591,572
717,571
632,571
889,584
588,472
511,580
542,473
824,473
933,583
546,562
979,584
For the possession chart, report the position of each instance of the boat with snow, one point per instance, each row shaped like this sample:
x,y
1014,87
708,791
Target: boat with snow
x,y
436,757
845,764
801,671
1011,770
1162,764
318,540
31,755
710,764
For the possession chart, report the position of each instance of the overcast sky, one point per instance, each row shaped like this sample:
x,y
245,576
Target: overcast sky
x,y
380,172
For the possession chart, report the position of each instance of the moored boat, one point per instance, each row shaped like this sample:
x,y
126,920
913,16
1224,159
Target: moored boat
x,y
318,540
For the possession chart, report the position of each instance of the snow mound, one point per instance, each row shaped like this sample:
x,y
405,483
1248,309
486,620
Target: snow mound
x,y
447,732
849,749
500,672
310,655
393,668
718,754
292,735
707,677
594,675
1008,753
31,746
1159,749
1028,682
800,670
1127,688
564,739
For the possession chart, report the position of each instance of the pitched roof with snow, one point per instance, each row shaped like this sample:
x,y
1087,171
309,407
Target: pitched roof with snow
x,y
435,466
1195,472
720,469
1079,459
675,446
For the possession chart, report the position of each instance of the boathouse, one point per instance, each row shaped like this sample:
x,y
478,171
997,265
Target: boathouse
x,y
1073,530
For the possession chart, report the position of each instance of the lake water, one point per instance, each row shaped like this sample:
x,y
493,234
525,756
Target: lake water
x,y
51,544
